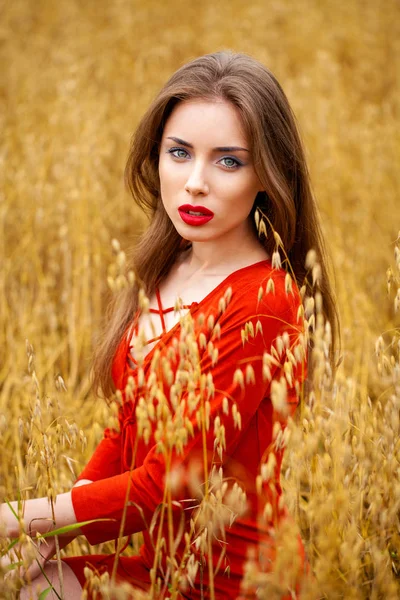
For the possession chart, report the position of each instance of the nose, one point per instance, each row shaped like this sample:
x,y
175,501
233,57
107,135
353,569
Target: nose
x,y
196,183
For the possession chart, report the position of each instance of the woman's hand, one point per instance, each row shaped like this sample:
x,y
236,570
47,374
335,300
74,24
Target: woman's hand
x,y
27,558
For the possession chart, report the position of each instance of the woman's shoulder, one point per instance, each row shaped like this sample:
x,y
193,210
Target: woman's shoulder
x,y
257,290
264,285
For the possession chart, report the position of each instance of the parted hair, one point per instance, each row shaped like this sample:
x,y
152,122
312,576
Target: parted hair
x,y
279,161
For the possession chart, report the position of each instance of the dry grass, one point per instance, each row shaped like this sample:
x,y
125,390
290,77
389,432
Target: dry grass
x,y
76,78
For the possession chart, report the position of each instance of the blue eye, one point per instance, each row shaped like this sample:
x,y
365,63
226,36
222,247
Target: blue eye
x,y
230,162
178,152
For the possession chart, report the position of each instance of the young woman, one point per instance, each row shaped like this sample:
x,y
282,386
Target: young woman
x,y
205,389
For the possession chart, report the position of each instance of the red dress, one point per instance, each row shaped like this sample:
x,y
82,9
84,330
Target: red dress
x,y
124,460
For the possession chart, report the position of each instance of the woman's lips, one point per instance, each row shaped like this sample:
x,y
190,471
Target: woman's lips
x,y
195,215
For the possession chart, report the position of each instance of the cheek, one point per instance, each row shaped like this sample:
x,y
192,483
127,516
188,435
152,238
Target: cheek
x,y
162,172
170,176
165,187
241,189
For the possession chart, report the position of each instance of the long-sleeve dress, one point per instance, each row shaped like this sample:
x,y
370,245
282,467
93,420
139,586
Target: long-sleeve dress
x,y
229,362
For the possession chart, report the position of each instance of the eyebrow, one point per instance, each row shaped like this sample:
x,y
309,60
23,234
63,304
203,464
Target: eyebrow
x,y
218,149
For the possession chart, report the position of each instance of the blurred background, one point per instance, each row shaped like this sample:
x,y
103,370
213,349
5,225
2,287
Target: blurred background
x,y
76,78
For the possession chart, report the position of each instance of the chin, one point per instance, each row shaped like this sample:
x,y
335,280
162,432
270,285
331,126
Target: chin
x,y
192,234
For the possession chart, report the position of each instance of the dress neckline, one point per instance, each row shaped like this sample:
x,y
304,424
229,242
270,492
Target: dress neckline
x,y
194,306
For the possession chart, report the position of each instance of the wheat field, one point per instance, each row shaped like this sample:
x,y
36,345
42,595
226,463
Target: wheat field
x,y
76,77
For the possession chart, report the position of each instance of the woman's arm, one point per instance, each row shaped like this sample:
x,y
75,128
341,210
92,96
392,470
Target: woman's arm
x,y
37,515
33,521
105,460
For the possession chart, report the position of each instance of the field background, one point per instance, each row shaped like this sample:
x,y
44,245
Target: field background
x,y
76,77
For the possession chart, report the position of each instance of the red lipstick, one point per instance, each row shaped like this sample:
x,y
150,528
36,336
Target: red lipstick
x,y
195,215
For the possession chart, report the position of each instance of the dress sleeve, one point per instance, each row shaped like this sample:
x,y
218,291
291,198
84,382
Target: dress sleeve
x,y
142,489
106,459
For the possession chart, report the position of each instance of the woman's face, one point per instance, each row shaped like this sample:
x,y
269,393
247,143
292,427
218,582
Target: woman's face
x,y
205,168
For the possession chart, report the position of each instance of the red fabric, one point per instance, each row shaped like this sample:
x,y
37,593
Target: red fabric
x,y
110,466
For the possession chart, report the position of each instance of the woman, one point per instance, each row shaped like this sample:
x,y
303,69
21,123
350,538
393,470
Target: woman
x,y
206,389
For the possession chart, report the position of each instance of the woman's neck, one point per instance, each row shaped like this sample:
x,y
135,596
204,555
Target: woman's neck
x,y
219,256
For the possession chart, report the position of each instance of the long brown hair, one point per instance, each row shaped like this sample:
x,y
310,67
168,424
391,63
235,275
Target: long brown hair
x,y
279,162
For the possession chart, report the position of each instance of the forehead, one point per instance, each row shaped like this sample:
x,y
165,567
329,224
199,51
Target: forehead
x,y
217,120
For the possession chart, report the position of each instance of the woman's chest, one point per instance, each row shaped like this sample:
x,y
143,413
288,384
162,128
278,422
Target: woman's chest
x,y
171,301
